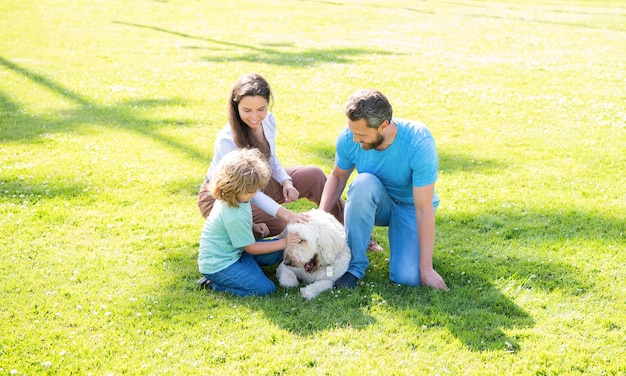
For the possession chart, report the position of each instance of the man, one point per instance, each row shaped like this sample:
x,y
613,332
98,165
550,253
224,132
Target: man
x,y
396,162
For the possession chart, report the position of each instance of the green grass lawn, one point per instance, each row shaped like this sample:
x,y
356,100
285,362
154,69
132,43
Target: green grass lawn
x,y
108,111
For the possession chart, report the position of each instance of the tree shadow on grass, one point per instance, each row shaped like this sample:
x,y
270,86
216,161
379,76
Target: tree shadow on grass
x,y
487,15
526,226
268,53
304,58
475,310
477,315
18,125
371,5
331,311
17,192
484,274
187,187
284,307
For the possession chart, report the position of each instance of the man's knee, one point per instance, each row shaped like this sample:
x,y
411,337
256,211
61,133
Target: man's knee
x,y
364,186
365,178
406,277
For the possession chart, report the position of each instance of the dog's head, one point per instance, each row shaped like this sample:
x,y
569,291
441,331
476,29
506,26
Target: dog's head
x,y
323,238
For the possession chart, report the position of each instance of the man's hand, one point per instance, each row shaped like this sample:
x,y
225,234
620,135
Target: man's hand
x,y
431,278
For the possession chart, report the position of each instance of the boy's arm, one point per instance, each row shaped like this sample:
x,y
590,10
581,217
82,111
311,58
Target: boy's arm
x,y
260,248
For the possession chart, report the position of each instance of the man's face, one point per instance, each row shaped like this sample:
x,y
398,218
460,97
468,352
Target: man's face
x,y
368,138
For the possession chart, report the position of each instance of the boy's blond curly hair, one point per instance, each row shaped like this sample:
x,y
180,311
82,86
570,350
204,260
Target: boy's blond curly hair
x,y
240,171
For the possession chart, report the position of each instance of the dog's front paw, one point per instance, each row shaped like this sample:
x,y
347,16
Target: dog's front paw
x,y
289,282
314,289
286,278
308,293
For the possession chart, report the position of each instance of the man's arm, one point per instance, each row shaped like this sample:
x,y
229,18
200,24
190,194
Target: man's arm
x,y
334,187
425,215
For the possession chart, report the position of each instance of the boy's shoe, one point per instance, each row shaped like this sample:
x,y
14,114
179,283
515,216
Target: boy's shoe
x,y
204,283
348,281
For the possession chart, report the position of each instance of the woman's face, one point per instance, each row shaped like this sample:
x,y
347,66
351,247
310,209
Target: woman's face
x,y
252,110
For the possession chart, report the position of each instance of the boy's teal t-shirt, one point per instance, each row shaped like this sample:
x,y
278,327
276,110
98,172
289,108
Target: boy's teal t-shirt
x,y
226,231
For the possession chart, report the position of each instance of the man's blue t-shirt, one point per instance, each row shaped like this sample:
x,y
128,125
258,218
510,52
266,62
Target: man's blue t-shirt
x,y
226,231
411,160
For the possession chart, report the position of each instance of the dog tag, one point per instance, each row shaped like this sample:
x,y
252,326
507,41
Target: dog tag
x,y
329,271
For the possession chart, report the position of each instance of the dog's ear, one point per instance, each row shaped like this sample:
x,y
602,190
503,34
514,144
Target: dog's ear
x,y
331,239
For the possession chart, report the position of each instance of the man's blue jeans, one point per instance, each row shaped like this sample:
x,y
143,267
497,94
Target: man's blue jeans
x,y
245,277
369,204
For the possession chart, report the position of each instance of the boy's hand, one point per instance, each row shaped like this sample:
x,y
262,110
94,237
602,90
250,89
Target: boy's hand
x,y
293,239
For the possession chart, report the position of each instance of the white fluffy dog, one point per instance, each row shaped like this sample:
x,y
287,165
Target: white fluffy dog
x,y
320,259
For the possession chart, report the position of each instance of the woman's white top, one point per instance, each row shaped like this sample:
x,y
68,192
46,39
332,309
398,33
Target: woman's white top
x,y
224,144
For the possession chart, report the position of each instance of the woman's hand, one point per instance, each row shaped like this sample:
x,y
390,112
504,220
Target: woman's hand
x,y
291,217
298,217
289,191
261,229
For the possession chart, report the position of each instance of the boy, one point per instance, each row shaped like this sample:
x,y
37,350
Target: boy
x,y
230,258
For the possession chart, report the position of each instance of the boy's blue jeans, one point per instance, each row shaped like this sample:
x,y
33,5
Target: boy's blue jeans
x,y
369,205
245,277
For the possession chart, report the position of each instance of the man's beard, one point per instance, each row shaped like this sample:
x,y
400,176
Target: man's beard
x,y
373,145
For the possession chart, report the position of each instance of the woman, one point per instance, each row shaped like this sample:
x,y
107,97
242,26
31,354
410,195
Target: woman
x,y
251,125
